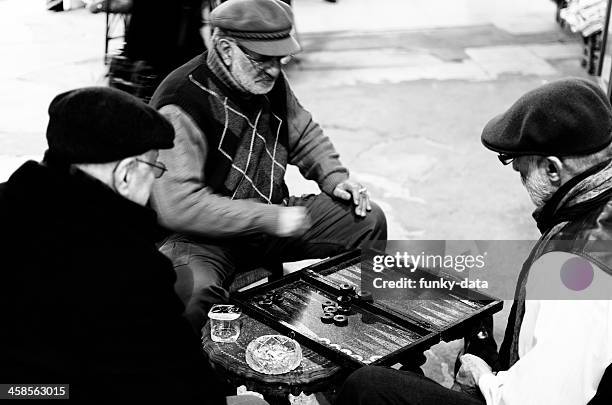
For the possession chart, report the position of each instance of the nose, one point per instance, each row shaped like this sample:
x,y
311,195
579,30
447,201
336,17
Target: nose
x,y
273,68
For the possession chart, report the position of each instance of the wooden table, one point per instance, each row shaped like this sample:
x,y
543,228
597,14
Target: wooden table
x,y
315,373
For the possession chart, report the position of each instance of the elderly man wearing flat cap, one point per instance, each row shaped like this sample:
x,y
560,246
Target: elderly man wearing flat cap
x,y
238,125
87,299
555,351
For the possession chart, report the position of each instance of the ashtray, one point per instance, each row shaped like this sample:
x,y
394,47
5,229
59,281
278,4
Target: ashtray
x,y
273,354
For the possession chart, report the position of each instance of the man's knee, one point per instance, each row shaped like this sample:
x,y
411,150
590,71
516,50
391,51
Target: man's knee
x,y
201,295
377,221
199,277
362,377
361,387
372,228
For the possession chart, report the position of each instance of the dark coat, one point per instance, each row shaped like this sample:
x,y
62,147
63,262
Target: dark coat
x,y
86,298
165,33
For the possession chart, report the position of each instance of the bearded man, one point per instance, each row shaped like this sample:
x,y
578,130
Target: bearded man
x,y
238,125
558,341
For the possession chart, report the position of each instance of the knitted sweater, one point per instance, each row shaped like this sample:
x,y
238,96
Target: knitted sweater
x,y
226,171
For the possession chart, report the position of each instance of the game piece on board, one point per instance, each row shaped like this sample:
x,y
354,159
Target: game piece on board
x,y
328,303
344,301
340,320
331,309
343,311
327,317
347,289
266,302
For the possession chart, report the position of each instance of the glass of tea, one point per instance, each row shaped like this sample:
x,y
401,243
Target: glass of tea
x,y
224,323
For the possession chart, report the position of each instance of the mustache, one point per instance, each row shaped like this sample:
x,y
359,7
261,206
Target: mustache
x,y
265,76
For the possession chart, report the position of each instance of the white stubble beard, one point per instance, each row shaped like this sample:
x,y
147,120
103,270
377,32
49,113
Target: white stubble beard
x,y
251,85
538,189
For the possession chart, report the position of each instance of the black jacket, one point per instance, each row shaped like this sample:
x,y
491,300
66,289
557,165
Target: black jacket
x,y
86,298
165,33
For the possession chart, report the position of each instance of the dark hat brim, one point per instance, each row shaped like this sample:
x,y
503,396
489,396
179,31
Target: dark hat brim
x,y
565,117
490,136
276,47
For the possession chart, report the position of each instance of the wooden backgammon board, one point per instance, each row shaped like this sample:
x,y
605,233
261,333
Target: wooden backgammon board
x,y
377,332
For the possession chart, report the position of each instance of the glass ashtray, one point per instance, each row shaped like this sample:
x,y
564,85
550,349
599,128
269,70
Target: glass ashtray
x,y
273,354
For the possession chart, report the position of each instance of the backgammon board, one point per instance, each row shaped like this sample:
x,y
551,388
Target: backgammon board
x,y
381,332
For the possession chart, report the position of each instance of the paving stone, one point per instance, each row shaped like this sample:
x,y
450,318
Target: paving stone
x,y
511,59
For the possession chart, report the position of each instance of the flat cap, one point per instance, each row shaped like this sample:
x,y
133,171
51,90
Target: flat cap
x,y
262,26
562,118
101,124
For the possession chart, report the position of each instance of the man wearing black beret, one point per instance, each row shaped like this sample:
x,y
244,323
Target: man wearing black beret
x,y
86,297
557,347
238,125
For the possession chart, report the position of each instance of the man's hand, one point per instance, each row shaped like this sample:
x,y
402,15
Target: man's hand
x,y
465,378
349,189
472,368
293,221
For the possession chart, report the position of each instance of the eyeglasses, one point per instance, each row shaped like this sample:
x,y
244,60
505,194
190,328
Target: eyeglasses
x,y
158,167
260,62
505,159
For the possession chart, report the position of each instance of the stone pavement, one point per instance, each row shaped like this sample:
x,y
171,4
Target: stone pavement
x,y
402,87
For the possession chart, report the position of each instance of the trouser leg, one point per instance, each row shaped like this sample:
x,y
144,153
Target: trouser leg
x,y
203,271
384,386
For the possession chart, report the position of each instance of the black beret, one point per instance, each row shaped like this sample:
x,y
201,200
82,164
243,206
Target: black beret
x,y
101,124
562,118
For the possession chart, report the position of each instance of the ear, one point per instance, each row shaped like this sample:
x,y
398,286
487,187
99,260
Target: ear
x,y
122,176
226,51
552,166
